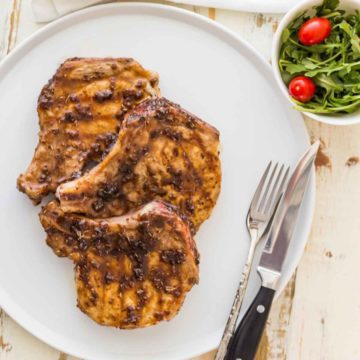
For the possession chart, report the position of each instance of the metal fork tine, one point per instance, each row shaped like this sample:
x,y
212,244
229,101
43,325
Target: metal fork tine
x,y
264,196
281,188
258,191
270,199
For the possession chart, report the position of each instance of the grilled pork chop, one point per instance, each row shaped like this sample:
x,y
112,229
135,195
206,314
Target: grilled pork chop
x,y
162,152
131,271
80,111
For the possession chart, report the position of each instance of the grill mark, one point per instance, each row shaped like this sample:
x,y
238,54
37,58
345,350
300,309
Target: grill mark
x,y
57,108
179,188
99,260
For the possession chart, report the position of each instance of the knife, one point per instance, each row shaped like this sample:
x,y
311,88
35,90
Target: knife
x,y
248,334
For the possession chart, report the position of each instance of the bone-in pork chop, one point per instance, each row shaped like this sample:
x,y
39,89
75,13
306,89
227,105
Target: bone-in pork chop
x,y
162,152
131,271
80,111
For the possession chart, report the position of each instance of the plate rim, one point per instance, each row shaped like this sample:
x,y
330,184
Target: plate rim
x,y
17,313
261,6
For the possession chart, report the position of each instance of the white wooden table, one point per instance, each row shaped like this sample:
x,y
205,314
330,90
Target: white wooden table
x,y
318,315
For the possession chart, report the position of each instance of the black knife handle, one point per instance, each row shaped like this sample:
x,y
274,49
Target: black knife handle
x,y
246,339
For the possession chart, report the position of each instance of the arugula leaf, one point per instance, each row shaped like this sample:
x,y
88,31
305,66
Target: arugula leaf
x,y
326,7
285,35
355,44
295,68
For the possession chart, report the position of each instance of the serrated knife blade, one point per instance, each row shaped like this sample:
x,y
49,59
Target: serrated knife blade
x,y
285,219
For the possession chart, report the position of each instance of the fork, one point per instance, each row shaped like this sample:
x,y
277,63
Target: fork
x,y
258,221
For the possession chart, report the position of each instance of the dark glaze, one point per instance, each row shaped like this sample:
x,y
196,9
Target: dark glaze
x,y
80,108
162,152
149,261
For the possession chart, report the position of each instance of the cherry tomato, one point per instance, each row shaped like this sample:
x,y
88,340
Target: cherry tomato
x,y
314,31
302,88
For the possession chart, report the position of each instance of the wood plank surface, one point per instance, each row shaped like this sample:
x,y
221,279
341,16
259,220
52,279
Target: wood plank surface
x,y
317,316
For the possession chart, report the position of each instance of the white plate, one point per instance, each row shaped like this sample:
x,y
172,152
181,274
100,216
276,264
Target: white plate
x,y
212,73
264,6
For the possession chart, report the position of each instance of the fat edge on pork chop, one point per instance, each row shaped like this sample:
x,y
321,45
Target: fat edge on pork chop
x,y
130,271
80,112
162,152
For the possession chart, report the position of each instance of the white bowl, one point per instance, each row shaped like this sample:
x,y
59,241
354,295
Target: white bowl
x,y
336,119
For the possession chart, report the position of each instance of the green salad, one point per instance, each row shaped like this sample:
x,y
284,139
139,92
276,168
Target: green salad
x,y
320,59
